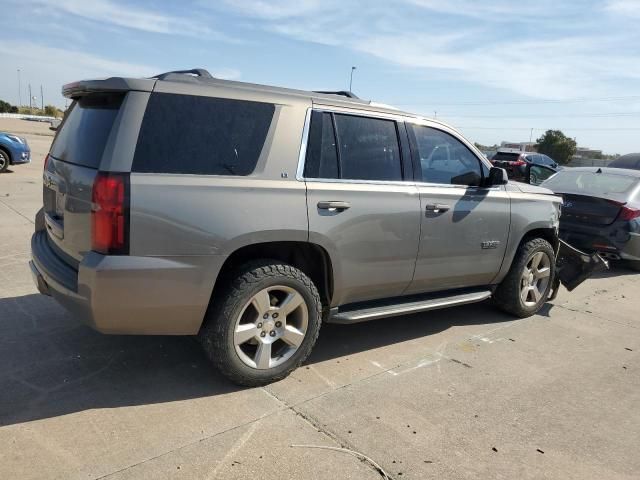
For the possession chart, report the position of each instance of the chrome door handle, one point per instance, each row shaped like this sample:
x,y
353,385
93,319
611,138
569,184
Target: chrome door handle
x,y
333,205
437,207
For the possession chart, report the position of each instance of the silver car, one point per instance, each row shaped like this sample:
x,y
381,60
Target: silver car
x,y
247,215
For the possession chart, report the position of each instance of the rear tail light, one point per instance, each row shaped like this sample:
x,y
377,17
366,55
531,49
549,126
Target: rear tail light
x,y
519,163
628,213
110,214
46,162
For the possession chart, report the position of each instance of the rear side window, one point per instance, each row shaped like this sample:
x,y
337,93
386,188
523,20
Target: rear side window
x,y
366,148
82,136
187,134
322,155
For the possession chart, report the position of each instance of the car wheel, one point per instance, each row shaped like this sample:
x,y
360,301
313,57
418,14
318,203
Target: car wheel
x,y
4,161
527,285
264,325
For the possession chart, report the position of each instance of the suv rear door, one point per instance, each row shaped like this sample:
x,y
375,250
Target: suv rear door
x,y
362,202
465,226
70,171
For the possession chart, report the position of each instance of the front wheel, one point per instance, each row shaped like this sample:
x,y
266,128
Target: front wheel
x,y
264,325
527,285
4,161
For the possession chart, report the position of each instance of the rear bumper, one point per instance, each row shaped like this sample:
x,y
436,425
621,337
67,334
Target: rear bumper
x,y
127,294
615,241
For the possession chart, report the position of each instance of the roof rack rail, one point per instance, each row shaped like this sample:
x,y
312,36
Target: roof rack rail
x,y
199,72
343,93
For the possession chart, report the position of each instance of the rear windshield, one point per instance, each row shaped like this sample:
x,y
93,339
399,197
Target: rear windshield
x,y
589,183
82,137
506,156
201,135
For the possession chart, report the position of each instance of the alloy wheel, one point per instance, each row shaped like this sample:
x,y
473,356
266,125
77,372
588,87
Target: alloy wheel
x,y
271,327
535,278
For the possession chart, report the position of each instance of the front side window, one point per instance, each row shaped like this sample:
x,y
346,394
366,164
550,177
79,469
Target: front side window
x,y
444,159
366,148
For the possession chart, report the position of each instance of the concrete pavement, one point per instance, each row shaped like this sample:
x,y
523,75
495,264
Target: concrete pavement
x,y
461,393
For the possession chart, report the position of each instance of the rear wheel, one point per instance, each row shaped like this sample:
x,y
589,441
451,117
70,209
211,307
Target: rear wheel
x,y
527,285
264,325
4,161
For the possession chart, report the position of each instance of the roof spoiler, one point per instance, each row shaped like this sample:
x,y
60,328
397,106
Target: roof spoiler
x,y
113,84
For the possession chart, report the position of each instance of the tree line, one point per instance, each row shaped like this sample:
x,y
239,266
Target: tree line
x,y
48,110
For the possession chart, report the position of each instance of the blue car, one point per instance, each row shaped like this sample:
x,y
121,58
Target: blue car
x,y
13,151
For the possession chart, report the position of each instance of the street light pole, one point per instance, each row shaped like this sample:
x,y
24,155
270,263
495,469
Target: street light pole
x,y
19,90
42,99
351,78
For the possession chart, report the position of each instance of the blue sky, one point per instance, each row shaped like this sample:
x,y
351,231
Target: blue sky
x,y
495,69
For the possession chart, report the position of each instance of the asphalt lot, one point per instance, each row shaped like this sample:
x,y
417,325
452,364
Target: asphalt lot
x,y
461,393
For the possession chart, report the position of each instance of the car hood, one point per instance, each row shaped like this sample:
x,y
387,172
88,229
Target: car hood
x,y
526,188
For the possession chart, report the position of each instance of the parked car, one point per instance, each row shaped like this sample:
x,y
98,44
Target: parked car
x,y
14,150
600,211
629,161
54,124
280,210
515,162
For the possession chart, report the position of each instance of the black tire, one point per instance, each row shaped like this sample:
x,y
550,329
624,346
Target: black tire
x,y
633,265
5,160
507,296
217,333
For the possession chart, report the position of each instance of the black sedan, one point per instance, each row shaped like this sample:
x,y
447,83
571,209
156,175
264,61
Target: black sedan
x,y
601,211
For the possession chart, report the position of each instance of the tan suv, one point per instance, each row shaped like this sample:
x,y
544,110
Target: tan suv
x,y
247,215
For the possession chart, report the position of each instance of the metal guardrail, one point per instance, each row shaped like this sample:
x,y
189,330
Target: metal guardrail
x,y
22,116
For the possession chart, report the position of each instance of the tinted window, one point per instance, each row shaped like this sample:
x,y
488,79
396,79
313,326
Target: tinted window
x,y
589,182
512,157
368,148
201,135
83,135
322,156
444,159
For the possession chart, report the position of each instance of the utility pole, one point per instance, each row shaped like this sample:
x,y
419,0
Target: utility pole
x,y
42,98
30,99
435,114
530,136
351,78
19,90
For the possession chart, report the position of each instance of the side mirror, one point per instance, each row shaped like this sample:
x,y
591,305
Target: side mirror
x,y
536,174
497,176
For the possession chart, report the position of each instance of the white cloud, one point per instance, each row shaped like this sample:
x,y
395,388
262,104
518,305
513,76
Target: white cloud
x,y
627,8
53,67
126,16
555,60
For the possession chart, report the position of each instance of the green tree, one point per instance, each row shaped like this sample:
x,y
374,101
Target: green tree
x,y
5,107
50,111
557,145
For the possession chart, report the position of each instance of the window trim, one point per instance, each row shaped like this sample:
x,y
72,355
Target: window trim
x,y
397,119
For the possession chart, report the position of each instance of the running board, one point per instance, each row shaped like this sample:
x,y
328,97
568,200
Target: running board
x,y
404,308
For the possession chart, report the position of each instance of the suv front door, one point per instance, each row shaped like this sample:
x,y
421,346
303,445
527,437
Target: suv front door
x,y
363,204
465,225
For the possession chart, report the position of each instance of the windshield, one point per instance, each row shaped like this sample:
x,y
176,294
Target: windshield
x,y
589,182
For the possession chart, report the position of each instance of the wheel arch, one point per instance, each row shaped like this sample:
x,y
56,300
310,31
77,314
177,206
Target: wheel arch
x,y
311,258
8,152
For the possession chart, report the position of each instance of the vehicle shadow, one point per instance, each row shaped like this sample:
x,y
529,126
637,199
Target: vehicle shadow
x,y
50,365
